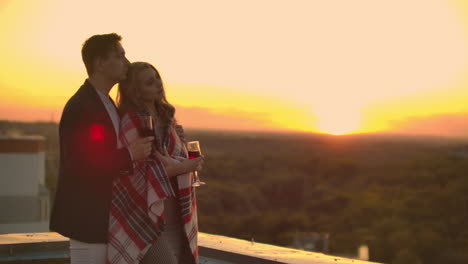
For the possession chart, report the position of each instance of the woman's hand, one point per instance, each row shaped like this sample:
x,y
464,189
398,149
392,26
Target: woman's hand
x,y
166,159
195,164
176,167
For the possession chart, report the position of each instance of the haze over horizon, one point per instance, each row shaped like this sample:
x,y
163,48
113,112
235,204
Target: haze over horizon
x,y
357,67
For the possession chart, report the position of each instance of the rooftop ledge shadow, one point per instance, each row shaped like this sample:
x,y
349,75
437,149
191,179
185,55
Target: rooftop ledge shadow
x,y
54,248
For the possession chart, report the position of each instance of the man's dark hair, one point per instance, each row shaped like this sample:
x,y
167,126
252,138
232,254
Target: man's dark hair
x,y
98,46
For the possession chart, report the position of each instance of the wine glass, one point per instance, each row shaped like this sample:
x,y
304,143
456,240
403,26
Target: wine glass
x,y
193,148
147,130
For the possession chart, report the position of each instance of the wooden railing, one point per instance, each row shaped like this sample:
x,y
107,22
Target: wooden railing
x,y
41,248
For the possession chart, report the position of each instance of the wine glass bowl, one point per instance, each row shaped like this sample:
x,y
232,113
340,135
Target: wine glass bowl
x,y
193,148
147,126
147,130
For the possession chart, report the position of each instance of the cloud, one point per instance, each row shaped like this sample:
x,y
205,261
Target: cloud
x,y
452,125
15,112
201,118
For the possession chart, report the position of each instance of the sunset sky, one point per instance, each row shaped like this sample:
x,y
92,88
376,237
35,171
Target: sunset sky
x,y
322,66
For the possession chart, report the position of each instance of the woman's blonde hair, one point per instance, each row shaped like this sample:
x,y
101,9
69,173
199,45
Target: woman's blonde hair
x,y
129,94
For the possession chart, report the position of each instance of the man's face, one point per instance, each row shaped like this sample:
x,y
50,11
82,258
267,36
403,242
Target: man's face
x,y
115,67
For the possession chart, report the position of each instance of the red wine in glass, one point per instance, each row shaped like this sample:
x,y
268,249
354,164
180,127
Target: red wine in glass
x,y
193,148
194,154
147,130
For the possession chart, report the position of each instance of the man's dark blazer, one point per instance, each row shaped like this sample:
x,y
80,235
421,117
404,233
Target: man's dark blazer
x,y
89,160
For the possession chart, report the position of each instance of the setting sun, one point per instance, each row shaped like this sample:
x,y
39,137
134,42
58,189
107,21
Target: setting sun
x,y
338,122
314,67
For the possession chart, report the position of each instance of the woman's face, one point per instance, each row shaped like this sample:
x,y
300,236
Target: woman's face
x,y
151,89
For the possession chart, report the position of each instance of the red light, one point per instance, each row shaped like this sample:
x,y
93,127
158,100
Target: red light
x,y
97,132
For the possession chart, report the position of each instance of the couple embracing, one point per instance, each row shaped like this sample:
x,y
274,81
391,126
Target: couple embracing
x,y
123,196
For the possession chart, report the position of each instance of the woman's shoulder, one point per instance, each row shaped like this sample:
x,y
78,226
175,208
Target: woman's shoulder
x,y
126,110
130,125
131,113
131,117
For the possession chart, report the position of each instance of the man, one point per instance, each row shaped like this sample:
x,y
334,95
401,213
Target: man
x,y
89,156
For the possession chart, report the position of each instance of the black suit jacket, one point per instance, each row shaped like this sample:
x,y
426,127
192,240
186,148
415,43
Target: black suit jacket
x,y
89,160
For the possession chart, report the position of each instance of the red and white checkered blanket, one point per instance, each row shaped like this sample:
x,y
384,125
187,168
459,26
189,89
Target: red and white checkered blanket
x,y
137,209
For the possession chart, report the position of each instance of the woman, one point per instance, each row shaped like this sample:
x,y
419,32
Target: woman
x,y
146,220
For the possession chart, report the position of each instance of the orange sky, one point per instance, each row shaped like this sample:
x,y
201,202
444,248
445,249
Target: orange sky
x,y
356,66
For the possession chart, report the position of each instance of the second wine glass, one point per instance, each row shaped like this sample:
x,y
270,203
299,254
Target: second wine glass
x,y
193,148
147,130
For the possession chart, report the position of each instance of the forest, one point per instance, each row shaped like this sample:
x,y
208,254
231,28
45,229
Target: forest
x,y
405,197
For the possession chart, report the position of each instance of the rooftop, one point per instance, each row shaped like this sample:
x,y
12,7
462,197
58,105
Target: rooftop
x,y
214,249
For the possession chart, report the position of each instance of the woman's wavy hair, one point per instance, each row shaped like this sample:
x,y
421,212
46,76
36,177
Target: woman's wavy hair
x,y
129,94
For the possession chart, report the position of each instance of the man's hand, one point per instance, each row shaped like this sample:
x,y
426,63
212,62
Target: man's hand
x,y
141,148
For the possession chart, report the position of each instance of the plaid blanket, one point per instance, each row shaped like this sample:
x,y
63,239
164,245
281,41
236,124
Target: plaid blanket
x,y
137,209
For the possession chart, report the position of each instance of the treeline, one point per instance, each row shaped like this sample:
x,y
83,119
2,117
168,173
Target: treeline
x,y
405,197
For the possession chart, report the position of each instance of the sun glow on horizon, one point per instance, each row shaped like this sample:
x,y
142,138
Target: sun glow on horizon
x,y
339,122
315,67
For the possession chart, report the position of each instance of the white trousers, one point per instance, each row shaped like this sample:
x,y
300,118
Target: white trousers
x,y
85,253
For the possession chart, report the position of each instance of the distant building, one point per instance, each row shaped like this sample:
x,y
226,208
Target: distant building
x,y
24,199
